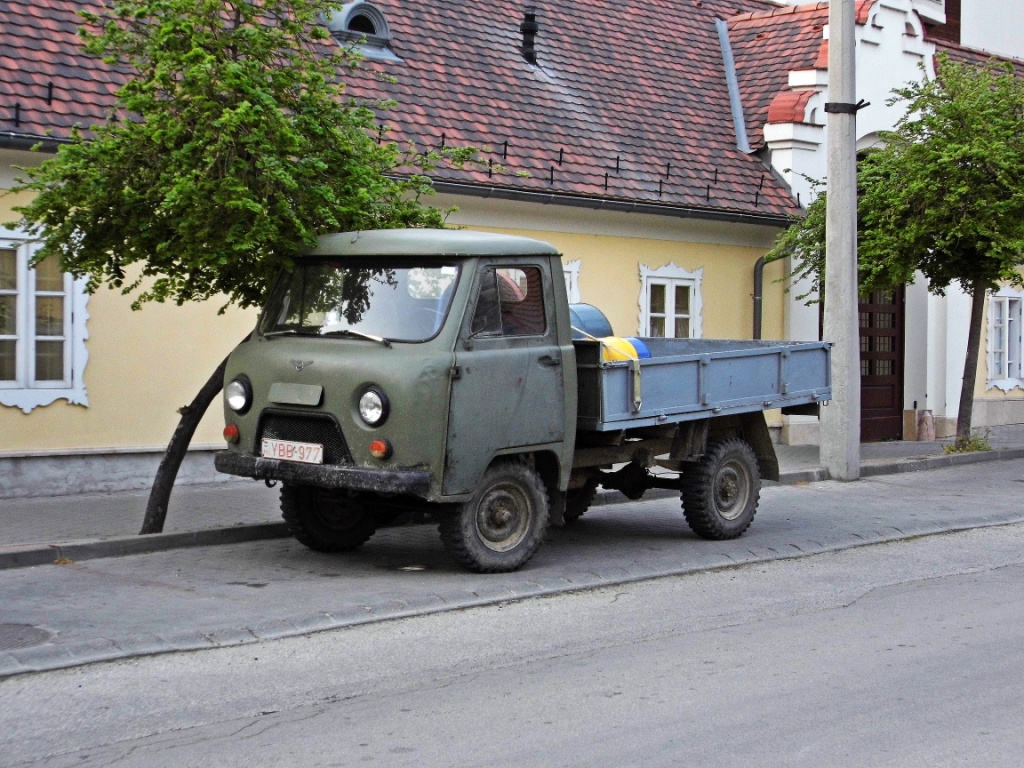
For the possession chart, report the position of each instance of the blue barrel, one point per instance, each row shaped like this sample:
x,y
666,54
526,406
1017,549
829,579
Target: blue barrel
x,y
642,350
589,319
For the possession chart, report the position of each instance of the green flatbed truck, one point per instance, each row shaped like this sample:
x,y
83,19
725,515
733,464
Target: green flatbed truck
x,y
445,372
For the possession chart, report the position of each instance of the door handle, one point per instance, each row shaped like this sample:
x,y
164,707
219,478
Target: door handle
x,y
549,362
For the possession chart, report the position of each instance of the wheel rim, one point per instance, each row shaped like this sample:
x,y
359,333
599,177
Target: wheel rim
x,y
732,489
503,517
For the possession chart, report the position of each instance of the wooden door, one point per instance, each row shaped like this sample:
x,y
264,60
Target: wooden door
x,y
881,365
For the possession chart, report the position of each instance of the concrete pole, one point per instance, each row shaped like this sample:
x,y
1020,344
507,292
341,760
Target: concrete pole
x,y
840,420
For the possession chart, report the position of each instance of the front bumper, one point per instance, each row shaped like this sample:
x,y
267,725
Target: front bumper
x,y
323,475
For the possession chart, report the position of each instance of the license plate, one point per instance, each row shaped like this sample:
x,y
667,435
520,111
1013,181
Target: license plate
x,y
307,453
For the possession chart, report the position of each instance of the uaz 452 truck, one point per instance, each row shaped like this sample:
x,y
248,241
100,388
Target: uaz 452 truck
x,y
445,371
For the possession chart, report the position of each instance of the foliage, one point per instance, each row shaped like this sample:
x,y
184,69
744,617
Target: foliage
x,y
231,147
944,194
975,443
804,242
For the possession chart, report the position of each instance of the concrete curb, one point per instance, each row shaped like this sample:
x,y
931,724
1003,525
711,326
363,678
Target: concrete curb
x,y
26,555
942,461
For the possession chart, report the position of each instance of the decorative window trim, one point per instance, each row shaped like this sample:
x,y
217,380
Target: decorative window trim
x,y
23,393
672,275
1012,302
571,273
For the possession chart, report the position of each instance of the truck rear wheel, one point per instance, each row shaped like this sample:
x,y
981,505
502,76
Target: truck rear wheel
x,y
502,526
578,500
324,520
720,494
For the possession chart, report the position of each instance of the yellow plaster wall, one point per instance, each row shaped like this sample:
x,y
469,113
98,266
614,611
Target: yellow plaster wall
x,y
142,366
8,201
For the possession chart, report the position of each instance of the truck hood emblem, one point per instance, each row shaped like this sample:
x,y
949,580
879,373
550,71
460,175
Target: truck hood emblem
x,y
301,364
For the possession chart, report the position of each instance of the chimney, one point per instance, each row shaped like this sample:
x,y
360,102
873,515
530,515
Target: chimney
x,y
529,28
951,29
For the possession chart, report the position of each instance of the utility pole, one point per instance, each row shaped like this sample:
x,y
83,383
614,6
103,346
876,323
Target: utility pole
x,y
840,421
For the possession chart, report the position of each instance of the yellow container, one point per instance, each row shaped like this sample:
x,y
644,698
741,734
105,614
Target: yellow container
x,y
614,348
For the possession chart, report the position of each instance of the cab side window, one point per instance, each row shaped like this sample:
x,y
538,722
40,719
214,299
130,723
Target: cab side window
x,y
510,303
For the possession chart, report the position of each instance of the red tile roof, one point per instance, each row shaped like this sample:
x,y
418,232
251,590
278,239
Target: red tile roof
x,y
48,83
962,53
766,47
628,103
789,106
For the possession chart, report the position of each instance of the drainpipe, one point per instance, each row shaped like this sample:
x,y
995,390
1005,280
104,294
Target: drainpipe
x,y
758,295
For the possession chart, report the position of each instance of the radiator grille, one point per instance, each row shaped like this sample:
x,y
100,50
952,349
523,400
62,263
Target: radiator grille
x,y
305,428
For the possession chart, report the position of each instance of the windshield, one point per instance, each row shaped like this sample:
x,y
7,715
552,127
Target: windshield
x,y
382,300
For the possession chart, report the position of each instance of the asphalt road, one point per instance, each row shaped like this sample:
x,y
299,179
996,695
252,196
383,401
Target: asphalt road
x,y
899,654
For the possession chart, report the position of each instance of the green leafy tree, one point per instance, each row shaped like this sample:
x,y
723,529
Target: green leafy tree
x,y
231,146
943,195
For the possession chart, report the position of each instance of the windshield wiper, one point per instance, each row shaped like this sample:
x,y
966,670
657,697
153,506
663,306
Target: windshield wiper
x,y
286,332
358,335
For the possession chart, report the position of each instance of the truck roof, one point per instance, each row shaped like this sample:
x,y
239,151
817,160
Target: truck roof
x,y
426,242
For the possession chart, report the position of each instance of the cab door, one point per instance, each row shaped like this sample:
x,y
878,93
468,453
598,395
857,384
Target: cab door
x,y
508,387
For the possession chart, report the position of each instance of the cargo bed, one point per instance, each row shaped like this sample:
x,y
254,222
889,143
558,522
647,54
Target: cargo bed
x,y
687,379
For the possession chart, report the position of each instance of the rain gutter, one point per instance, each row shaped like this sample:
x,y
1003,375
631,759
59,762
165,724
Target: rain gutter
x,y
28,141
617,206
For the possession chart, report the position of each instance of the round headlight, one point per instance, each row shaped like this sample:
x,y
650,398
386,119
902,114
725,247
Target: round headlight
x,y
373,407
238,395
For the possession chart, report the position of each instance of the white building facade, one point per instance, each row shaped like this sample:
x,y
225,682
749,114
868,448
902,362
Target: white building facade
x,y
897,41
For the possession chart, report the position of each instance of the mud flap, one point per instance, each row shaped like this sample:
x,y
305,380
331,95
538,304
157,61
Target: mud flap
x,y
755,432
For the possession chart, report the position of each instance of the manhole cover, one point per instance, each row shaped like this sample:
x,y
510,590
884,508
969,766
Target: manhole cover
x,y
15,636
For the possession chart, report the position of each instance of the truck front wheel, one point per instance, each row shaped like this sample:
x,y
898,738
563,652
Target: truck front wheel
x,y
720,494
503,524
327,521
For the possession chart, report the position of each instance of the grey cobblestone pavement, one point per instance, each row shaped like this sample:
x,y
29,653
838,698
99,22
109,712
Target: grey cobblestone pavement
x,y
204,596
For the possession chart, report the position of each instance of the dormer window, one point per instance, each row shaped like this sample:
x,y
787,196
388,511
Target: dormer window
x,y
364,26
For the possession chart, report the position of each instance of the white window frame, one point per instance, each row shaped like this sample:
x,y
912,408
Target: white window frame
x,y
671,276
571,273
1007,304
24,391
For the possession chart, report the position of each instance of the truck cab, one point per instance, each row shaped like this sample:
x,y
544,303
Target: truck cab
x,y
394,368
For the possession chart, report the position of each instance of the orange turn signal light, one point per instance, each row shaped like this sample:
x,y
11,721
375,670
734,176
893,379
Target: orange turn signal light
x,y
231,433
380,449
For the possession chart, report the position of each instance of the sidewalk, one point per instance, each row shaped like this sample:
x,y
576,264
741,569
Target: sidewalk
x,y
41,530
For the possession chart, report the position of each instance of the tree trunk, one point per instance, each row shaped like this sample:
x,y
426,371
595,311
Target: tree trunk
x,y
163,483
965,413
